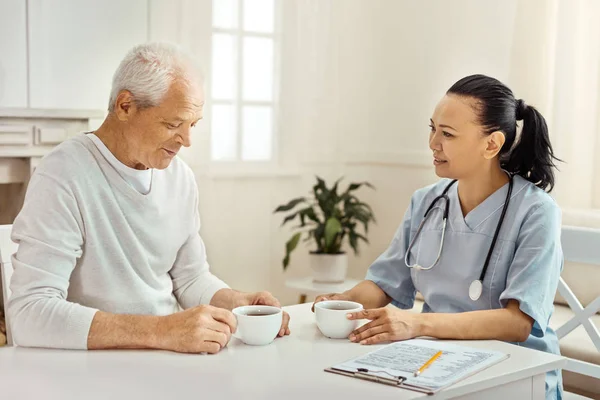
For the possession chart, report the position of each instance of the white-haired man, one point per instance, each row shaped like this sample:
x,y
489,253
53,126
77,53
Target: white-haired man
x,y
109,248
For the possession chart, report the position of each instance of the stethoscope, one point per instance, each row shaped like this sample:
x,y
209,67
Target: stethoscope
x,y
476,287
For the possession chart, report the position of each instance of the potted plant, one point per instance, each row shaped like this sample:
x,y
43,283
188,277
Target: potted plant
x,y
327,219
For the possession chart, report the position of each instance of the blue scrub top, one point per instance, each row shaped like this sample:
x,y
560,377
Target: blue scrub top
x,y
525,265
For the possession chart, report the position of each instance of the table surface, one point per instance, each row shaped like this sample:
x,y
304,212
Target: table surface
x,y
307,284
289,368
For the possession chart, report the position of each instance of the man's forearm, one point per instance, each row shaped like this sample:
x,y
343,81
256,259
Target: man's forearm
x,y
227,299
122,331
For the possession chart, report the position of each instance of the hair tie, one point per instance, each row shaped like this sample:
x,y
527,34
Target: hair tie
x,y
521,109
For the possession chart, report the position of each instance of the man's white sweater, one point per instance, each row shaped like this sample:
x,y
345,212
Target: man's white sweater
x,y
90,241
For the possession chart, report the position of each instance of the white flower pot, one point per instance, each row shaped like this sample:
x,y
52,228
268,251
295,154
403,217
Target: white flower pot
x,y
329,268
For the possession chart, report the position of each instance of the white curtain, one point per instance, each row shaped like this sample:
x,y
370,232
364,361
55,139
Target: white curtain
x,y
555,64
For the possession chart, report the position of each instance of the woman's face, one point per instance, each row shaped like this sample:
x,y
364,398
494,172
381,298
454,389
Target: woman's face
x,y
460,147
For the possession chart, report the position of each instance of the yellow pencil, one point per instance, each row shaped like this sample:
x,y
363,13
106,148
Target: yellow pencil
x,y
428,363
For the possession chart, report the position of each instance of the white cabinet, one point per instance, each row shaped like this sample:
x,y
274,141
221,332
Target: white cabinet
x,y
26,135
13,53
75,47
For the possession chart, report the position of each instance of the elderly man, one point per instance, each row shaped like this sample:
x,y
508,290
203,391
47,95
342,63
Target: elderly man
x,y
109,250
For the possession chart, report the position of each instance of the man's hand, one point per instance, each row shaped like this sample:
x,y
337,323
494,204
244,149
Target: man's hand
x,y
267,299
196,330
230,299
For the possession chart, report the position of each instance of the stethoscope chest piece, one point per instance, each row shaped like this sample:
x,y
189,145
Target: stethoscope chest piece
x,y
475,290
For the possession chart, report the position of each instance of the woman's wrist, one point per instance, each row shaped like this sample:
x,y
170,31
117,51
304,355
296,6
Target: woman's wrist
x,y
348,295
425,324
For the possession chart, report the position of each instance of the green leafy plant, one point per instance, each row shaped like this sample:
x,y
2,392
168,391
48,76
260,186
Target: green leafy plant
x,y
327,218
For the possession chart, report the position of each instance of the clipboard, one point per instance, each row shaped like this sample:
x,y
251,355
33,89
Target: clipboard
x,y
394,365
398,381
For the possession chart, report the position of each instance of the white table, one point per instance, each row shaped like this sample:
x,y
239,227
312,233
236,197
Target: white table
x,y
289,368
308,286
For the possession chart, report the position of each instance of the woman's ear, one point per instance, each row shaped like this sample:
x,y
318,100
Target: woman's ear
x,y
495,141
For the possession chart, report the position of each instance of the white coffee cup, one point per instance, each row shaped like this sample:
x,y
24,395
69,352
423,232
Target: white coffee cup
x,y
257,325
332,320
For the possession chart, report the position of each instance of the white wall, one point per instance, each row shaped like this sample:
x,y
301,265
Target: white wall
x,y
13,58
72,54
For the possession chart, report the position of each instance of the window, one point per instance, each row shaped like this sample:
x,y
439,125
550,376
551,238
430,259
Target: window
x,y
243,83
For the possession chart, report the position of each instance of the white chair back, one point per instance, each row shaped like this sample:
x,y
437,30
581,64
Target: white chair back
x,y
580,245
7,249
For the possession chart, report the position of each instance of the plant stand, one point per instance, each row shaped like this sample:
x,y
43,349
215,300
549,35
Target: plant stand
x,y
307,286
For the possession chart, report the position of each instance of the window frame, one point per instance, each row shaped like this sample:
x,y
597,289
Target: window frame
x,y
231,166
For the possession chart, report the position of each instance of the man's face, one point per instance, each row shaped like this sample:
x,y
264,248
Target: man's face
x,y
154,135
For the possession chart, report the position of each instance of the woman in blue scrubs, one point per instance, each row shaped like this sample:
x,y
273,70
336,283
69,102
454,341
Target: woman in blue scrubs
x,y
490,269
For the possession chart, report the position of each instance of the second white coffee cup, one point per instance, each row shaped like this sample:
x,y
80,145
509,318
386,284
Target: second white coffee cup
x,y
332,320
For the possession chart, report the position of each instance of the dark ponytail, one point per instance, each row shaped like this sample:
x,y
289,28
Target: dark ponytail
x,y
531,156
